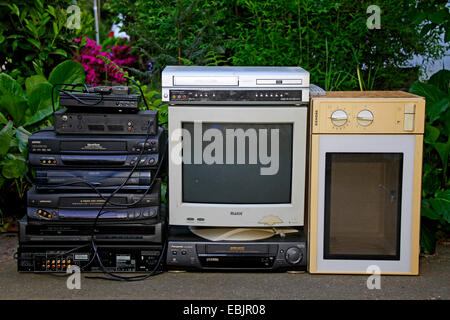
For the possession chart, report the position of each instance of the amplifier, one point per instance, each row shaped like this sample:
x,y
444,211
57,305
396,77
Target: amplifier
x,y
43,232
187,251
48,142
104,180
67,122
100,102
60,257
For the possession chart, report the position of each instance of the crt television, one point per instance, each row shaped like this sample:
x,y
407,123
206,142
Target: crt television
x,y
237,166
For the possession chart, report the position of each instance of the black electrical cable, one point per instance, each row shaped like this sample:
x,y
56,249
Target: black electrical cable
x,y
94,247
134,278
140,89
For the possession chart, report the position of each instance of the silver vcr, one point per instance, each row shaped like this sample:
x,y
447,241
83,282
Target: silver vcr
x,y
235,85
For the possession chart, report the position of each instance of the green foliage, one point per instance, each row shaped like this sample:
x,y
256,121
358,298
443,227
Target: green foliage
x,y
24,111
436,182
34,36
328,38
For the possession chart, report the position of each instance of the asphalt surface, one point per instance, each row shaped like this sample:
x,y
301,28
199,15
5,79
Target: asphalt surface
x,y
433,283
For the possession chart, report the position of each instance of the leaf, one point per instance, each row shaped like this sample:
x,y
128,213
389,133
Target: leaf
x,y
12,98
69,71
431,133
5,138
441,80
441,204
60,52
428,211
443,150
3,119
40,97
428,91
32,82
13,168
34,43
22,137
427,239
434,110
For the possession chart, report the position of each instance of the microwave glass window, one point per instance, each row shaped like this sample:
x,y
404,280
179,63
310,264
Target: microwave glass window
x,y
260,160
363,194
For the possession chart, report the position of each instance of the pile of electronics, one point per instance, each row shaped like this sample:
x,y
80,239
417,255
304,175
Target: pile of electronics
x,y
265,173
96,198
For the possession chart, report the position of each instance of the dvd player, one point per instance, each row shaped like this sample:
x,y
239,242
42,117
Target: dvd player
x,y
187,251
67,122
209,85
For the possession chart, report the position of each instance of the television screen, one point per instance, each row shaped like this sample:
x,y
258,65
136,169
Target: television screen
x,y
230,163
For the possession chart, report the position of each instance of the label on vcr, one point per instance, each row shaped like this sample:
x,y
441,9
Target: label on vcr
x,y
235,95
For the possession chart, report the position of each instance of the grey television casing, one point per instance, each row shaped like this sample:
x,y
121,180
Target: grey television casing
x,y
293,113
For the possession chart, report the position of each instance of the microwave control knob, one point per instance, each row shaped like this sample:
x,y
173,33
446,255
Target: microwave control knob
x,y
293,255
339,118
365,118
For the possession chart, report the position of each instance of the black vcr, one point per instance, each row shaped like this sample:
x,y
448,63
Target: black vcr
x,y
187,251
39,232
48,142
86,180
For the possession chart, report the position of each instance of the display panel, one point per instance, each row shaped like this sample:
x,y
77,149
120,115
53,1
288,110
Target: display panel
x,y
363,193
229,163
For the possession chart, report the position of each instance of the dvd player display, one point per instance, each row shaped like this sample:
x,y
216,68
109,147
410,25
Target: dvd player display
x,y
60,180
187,251
50,258
67,122
105,231
48,142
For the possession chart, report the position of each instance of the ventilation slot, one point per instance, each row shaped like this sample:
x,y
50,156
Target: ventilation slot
x,y
115,128
96,127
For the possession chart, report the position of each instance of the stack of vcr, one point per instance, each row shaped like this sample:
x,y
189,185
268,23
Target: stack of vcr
x,y
101,149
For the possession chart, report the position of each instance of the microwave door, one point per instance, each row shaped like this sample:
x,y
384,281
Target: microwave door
x,y
365,187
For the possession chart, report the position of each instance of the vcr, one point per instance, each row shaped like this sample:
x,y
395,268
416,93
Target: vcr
x,y
67,122
48,142
187,251
144,231
102,180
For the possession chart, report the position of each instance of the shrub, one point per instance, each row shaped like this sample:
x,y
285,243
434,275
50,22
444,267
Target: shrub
x,y
436,180
34,37
328,38
23,110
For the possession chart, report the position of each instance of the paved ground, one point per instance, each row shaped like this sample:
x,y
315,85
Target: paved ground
x,y
433,283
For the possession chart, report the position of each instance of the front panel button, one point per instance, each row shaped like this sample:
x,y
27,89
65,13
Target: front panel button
x,y
339,118
365,118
